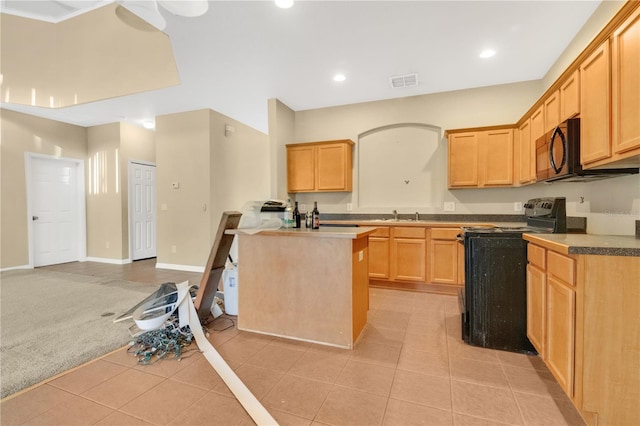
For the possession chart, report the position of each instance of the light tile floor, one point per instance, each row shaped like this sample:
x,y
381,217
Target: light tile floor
x,y
409,368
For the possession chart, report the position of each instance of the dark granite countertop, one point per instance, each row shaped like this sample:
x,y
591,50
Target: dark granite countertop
x,y
607,245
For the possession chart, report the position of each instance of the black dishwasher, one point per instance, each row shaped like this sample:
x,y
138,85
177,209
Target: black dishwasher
x,y
494,300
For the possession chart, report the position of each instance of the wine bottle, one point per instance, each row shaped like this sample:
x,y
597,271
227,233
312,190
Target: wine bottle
x,y
316,216
288,215
296,216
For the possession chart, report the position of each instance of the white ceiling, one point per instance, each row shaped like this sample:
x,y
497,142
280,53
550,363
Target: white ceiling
x,y
242,53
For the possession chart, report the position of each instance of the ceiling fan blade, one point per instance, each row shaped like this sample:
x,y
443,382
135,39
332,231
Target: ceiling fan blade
x,y
146,10
187,8
80,4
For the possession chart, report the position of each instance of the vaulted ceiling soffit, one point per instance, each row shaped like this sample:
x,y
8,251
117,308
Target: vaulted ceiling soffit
x,y
102,54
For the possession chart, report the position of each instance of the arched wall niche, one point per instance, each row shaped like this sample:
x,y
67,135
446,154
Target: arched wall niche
x,y
400,166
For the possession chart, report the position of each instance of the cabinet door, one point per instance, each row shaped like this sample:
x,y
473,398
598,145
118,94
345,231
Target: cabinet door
x,y
570,97
594,106
537,127
526,163
497,158
334,167
626,85
443,262
300,169
463,159
536,307
560,345
552,111
379,257
409,259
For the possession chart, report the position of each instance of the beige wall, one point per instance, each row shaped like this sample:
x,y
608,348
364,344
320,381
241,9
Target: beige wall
x,y
239,166
183,155
281,133
104,193
136,144
485,106
110,147
21,133
216,173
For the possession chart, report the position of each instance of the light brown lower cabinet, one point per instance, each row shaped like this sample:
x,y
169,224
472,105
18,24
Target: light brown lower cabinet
x,y
408,246
416,258
379,254
583,319
443,256
551,311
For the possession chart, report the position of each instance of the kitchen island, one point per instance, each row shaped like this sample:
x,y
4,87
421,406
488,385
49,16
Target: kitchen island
x,y
304,284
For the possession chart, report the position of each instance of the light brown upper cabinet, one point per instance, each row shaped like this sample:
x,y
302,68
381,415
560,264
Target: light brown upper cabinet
x,y
481,158
463,160
552,111
610,99
320,166
595,92
537,126
526,158
570,97
625,75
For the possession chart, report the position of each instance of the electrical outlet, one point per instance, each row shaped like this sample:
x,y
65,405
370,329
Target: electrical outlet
x,y
107,245
517,206
449,206
303,207
349,207
174,249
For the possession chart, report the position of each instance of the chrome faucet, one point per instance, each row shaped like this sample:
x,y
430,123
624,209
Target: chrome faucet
x,y
395,215
417,216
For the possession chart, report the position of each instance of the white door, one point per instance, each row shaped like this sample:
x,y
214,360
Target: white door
x,y
55,211
142,205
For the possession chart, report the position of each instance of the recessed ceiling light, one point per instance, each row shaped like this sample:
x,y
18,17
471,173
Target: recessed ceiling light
x,y
339,77
487,53
149,124
284,4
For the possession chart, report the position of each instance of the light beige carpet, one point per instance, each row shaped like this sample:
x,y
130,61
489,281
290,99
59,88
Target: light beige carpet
x,y
53,321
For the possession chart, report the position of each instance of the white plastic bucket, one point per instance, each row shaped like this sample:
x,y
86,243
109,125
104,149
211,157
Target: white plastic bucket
x,y
230,289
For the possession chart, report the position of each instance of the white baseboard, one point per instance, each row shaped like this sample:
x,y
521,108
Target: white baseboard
x,y
107,260
11,268
187,268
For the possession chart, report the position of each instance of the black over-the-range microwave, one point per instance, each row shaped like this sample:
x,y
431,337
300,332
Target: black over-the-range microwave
x,y
558,157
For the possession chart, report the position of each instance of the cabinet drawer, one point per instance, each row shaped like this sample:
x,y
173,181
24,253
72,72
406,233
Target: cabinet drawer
x,y
561,267
535,256
381,232
444,233
407,232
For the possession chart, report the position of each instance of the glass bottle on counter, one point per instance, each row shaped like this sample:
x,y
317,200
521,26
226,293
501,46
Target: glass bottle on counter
x,y
315,216
296,216
288,215
308,220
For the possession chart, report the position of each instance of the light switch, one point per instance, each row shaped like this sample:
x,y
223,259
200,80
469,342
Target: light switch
x,y
449,206
175,185
163,207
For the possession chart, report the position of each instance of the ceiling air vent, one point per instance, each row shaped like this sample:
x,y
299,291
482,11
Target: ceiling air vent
x,y
408,80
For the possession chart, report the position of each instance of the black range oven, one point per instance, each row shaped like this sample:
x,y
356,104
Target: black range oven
x,y
494,301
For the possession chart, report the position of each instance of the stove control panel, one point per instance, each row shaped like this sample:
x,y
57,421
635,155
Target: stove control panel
x,y
545,207
549,214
